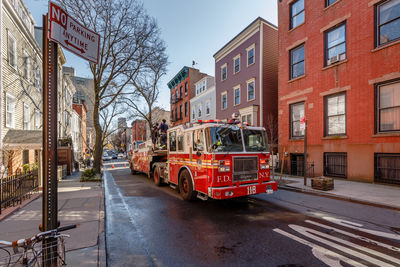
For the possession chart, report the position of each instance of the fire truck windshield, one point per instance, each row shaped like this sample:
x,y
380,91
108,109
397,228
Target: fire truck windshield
x,y
254,140
224,139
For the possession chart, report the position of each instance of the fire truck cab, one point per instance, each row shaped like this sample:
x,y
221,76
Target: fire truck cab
x,y
210,160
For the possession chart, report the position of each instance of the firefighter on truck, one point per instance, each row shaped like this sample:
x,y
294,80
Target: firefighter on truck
x,y
209,160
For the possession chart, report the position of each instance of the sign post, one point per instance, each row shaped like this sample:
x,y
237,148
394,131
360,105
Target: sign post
x,y
303,126
58,27
49,220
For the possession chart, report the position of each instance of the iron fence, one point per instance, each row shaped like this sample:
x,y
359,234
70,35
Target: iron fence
x,y
15,188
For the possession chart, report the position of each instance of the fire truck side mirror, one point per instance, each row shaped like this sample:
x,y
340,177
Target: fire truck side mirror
x,y
198,153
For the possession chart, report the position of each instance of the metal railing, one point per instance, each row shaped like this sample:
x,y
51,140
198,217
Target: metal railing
x,y
15,188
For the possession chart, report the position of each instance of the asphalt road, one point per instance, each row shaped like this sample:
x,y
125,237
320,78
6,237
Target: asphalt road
x,y
148,225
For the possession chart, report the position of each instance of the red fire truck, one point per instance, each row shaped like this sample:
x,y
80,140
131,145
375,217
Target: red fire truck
x,y
209,160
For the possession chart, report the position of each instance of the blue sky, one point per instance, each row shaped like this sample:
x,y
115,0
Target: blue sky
x,y
192,30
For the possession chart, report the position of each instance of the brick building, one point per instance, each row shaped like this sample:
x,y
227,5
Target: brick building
x,y
339,67
246,74
182,90
139,130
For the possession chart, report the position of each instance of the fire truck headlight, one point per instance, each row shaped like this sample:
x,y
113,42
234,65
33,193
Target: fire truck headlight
x,y
224,166
264,166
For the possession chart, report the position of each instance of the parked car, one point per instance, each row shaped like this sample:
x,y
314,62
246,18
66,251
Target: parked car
x,y
114,155
106,156
121,155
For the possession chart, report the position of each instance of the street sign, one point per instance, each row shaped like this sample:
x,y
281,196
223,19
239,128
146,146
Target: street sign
x,y
302,123
72,35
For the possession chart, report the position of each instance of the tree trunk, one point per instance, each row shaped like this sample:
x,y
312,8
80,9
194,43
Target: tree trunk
x,y
98,145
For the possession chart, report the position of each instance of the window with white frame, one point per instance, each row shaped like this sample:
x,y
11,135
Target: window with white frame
x,y
224,99
10,111
388,107
223,72
27,117
236,64
250,55
193,114
12,50
296,114
37,120
36,76
199,111
335,114
247,118
208,108
27,66
250,90
236,96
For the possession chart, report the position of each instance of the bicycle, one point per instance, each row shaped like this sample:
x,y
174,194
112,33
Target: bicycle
x,y
32,249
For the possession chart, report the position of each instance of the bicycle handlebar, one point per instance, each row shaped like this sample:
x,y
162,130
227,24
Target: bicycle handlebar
x,y
65,228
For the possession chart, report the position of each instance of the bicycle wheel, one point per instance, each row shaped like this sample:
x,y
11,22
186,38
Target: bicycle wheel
x,y
5,257
61,252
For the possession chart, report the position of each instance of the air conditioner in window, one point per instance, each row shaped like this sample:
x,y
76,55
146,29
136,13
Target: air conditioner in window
x,y
342,56
333,59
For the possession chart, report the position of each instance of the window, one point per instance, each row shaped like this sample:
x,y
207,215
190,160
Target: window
x,y
10,111
208,108
176,113
223,73
296,13
388,107
25,157
37,77
335,44
198,143
180,92
329,2
250,90
224,100
172,141
335,164
193,114
236,64
387,168
388,21
186,109
250,55
296,113
247,118
12,50
27,70
180,143
27,117
172,115
186,88
37,120
236,95
67,119
180,111
297,66
199,111
172,98
335,114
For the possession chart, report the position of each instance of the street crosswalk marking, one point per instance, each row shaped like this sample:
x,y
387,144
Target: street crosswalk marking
x,y
365,239
332,258
358,227
325,255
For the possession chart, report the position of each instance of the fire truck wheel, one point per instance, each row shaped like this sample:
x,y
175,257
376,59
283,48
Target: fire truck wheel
x,y
186,186
156,176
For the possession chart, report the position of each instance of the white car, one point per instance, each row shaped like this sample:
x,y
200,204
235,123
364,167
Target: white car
x,y
106,156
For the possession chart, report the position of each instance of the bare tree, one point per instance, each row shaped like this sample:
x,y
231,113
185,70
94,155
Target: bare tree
x,y
143,94
271,129
129,37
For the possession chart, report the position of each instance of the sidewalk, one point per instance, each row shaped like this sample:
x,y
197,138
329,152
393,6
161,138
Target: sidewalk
x,y
379,195
78,203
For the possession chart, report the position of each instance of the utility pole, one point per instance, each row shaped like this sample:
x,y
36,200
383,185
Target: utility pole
x,y
49,212
305,152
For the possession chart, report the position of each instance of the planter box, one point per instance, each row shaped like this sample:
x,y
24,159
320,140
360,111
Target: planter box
x,y
322,183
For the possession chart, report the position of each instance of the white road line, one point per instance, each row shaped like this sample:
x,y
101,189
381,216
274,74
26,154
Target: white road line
x,y
358,227
311,233
328,257
393,248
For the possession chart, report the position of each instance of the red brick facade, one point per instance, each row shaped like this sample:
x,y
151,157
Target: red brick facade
x,y
355,76
139,130
182,89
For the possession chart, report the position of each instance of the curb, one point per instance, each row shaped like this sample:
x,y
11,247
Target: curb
x,y
328,195
102,253
12,210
